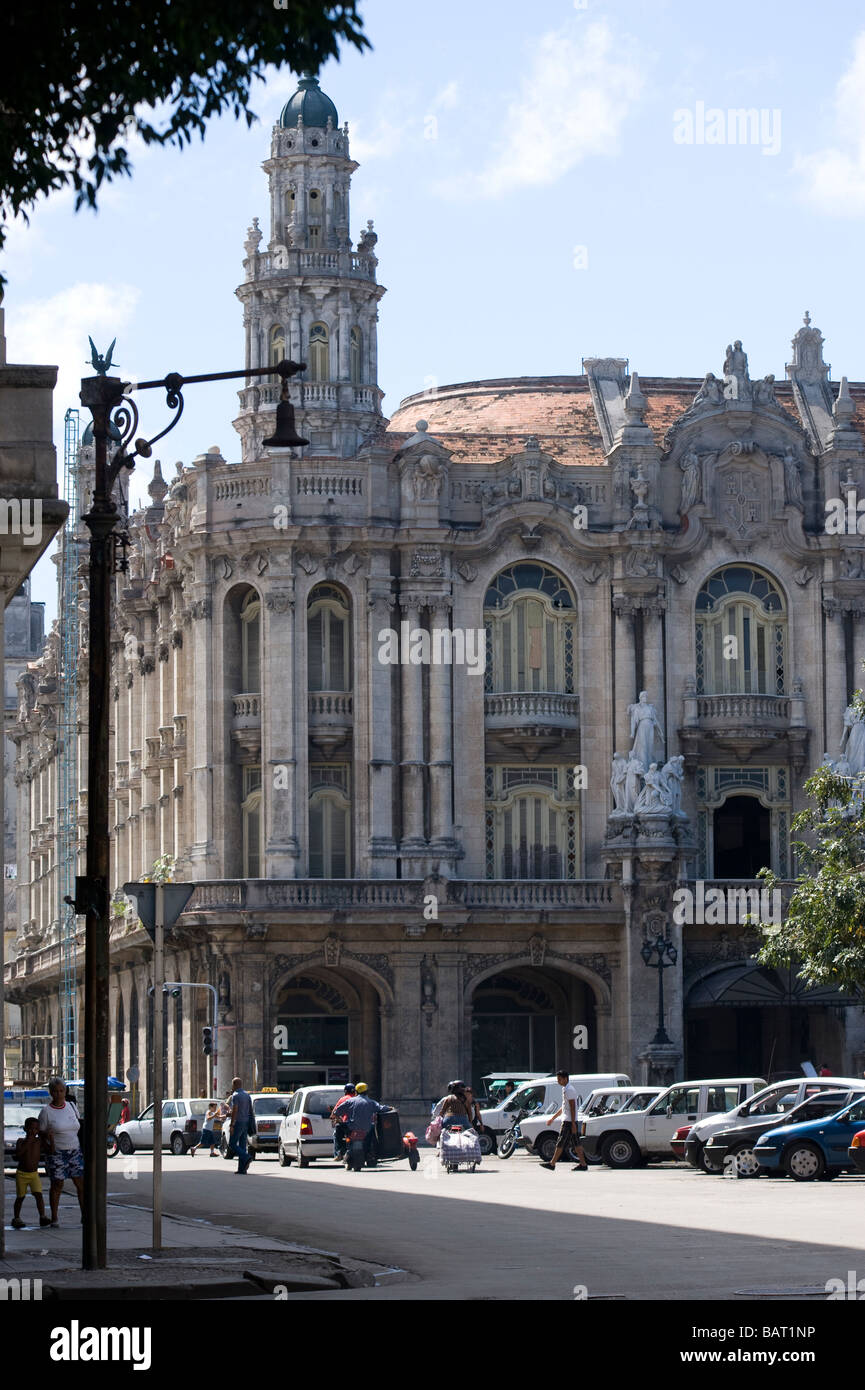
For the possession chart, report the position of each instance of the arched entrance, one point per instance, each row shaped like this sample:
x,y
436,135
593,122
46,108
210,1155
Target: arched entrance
x,y
330,1029
742,838
744,1019
523,1019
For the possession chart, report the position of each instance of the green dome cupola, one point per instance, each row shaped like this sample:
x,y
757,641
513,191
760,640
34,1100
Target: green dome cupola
x,y
310,105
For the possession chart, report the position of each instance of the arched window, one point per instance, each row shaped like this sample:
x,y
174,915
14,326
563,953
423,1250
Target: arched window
x,y
290,203
356,347
532,823
529,619
319,353
251,815
328,639
315,213
250,627
276,348
329,833
741,636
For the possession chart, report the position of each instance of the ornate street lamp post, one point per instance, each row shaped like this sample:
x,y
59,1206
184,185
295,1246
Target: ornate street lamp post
x,y
115,414
665,954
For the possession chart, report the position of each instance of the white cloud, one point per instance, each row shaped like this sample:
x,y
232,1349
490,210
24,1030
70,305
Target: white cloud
x,y
447,98
834,178
55,331
579,90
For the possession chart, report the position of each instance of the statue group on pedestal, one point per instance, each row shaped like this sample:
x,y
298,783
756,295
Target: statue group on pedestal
x,y
640,785
851,762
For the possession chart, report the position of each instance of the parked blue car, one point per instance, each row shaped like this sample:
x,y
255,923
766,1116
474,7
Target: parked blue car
x,y
814,1149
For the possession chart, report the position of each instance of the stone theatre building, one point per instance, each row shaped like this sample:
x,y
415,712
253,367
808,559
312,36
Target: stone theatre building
x,y
419,867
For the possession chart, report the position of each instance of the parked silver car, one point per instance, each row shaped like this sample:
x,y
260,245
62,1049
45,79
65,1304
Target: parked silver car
x,y
182,1123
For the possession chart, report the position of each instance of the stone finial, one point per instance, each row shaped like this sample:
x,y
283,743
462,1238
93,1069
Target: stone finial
x,y
253,238
157,487
635,401
808,364
844,409
421,426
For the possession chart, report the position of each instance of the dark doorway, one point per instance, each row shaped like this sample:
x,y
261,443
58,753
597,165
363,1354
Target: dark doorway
x,y
741,838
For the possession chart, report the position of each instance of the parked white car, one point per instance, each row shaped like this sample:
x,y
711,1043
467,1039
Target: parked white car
x,y
182,1123
541,1138
544,1096
306,1132
778,1099
624,1141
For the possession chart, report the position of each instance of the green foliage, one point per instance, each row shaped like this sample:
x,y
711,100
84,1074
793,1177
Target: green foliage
x,y
823,931
79,79
162,870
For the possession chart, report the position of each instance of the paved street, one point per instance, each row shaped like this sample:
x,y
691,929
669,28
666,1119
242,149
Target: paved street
x,y
515,1230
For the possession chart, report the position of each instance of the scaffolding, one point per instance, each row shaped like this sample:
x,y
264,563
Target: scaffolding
x,y
67,781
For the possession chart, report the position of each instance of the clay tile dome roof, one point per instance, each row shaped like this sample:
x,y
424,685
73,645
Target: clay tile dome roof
x,y
310,103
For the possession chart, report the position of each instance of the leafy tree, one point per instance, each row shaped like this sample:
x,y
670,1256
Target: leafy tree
x,y
823,932
80,78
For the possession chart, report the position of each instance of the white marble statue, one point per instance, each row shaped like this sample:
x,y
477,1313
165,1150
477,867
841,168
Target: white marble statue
x,y
672,777
632,783
644,726
617,784
853,741
652,797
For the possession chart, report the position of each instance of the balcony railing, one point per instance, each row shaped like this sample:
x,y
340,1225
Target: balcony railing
x,y
327,704
247,708
380,894
530,706
745,709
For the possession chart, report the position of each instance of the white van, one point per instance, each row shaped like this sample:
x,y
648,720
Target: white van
x,y
626,1140
543,1095
541,1138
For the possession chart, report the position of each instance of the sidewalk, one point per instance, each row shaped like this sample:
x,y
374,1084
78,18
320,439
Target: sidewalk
x,y
200,1260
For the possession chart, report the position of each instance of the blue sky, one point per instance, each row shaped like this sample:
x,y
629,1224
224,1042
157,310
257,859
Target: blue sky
x,y
532,201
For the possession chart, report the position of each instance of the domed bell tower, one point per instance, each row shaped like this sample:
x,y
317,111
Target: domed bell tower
x,y
310,296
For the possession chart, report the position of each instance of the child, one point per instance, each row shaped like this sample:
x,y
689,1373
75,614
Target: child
x,y
28,1152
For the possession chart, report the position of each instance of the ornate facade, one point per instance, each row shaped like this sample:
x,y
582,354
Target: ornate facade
x,y
368,694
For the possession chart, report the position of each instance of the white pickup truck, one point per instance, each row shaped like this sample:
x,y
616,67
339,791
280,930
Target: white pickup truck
x,y
629,1139
541,1138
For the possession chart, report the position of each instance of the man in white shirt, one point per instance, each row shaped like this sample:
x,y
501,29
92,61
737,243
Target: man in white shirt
x,y
569,1139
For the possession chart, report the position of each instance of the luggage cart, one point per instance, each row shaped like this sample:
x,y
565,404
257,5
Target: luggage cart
x,y
459,1148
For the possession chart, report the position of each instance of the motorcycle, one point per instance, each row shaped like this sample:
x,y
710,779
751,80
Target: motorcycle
x,y
384,1143
513,1138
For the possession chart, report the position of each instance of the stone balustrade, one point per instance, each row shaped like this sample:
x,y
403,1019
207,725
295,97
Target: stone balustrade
x,y
377,894
744,709
508,708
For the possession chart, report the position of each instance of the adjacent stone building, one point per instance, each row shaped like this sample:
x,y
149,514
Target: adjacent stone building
x,y
368,694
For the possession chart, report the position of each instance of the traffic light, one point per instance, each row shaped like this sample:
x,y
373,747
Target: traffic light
x,y
207,1041
174,993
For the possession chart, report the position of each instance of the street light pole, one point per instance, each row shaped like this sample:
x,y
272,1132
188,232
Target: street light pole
x,y
666,955
110,405
158,1054
102,394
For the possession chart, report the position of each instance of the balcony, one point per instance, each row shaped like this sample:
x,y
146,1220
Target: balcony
x,y
744,724
246,725
382,896
330,719
531,722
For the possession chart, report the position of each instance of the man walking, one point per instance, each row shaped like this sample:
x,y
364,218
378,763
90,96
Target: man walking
x,y
241,1114
569,1139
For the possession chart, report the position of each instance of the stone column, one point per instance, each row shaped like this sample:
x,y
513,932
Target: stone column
x,y
626,671
382,845
200,733
835,677
280,695
654,666
344,337
441,736
412,713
